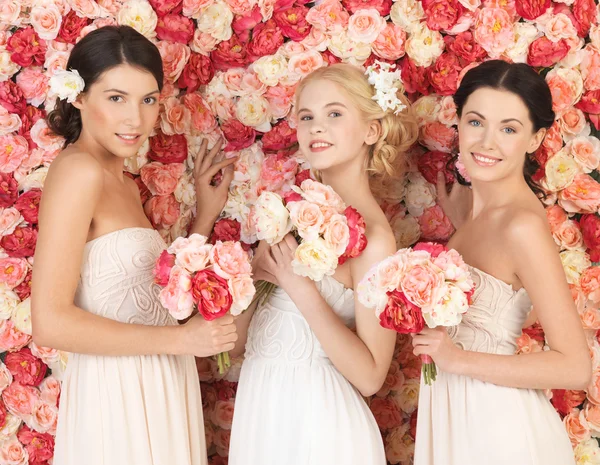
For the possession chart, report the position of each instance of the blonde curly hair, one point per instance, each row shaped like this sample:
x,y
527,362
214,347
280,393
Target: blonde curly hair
x,y
398,132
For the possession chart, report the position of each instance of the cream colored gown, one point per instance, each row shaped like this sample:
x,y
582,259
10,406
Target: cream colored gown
x,y
128,410
463,421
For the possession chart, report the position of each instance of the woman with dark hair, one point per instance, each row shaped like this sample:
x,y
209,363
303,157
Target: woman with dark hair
x,y
488,404
130,394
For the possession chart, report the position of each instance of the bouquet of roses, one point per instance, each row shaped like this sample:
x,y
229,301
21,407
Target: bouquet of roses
x,y
214,279
428,284
329,232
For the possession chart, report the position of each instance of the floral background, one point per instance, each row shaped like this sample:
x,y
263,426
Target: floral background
x,y
231,67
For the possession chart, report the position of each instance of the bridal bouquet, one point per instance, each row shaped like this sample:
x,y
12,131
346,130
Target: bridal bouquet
x,y
214,279
428,284
328,232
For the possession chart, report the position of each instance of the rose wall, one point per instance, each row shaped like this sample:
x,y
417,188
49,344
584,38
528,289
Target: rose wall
x,y
231,67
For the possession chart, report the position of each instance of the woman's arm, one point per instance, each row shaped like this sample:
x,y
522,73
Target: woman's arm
x,y
363,357
72,190
567,364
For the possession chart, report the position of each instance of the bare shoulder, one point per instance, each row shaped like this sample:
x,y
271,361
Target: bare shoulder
x,y
381,242
74,166
521,224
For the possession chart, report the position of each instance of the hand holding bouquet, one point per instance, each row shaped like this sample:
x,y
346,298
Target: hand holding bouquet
x,y
428,284
214,279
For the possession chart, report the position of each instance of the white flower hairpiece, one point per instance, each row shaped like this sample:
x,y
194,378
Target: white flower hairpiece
x,y
386,83
67,85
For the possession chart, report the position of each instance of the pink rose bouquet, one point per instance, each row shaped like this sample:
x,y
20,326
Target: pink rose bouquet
x,y
426,285
214,279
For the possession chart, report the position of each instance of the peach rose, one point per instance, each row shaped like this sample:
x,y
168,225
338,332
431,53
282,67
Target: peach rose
x,y
438,136
175,117
493,30
572,122
591,413
527,345
251,84
50,390
558,27
20,400
44,417
10,12
10,218
386,412
365,25
421,283
329,16
393,380
590,68
9,122
582,196
399,445
577,427
12,452
390,42
192,8
337,234
568,235
162,210
11,338
280,100
321,194
435,225
593,390
232,79
222,439
590,283
447,114
34,84
566,86
45,138
242,292
590,318
56,61
46,354
202,119
203,43
46,20
556,216
586,152
230,259
174,55
307,217
162,179
222,415
305,63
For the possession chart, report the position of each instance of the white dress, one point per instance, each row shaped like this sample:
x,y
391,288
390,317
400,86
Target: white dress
x,y
128,410
464,421
293,406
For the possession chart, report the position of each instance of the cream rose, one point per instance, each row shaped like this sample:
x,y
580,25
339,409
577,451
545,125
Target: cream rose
x,y
407,14
314,259
561,170
216,20
270,69
253,111
424,46
22,316
574,263
270,217
139,15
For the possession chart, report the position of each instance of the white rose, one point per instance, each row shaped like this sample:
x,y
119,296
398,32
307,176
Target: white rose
x,y
587,452
8,303
314,259
449,310
185,192
407,14
8,68
34,180
67,84
236,206
561,170
407,397
253,111
270,69
271,219
524,35
406,231
216,20
424,46
574,263
349,51
6,377
22,316
420,194
367,33
139,15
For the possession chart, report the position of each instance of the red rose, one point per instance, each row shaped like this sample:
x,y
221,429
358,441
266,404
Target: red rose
x,y
2,415
442,14
413,424
443,74
432,248
292,23
467,48
39,446
21,243
590,104
382,6
242,25
12,98
358,239
27,48
162,269
531,9
544,53
23,290
168,149
431,163
238,136
164,7
28,119
564,401
25,367
302,176
266,40
211,294
585,14
590,227
291,196
373,58
281,137
401,315
176,28
330,58
29,204
229,54
9,190
225,389
198,71
414,77
71,27
535,332
226,229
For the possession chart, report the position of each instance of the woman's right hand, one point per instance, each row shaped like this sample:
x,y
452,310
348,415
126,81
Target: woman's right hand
x,y
203,338
457,204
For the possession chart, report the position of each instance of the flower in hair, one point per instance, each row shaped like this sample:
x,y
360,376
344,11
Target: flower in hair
x,y
386,82
67,85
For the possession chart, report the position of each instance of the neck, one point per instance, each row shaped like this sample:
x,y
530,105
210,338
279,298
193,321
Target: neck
x,y
351,182
109,161
488,195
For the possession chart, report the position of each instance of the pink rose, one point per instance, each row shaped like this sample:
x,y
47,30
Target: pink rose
x,y
162,179
308,218
13,452
40,446
568,235
437,136
175,118
585,14
29,117
420,284
276,171
592,416
545,53
211,294
176,296
226,229
229,54
71,27
292,23
442,14
572,122
239,7
168,148
328,16
46,354
230,260
12,98
390,42
44,138
175,28
465,46
27,48
9,122
322,194
45,417
23,290
357,241
25,367
435,225
280,137
9,190
365,25
590,104
431,248
10,218
563,92
302,64
46,20
266,39
590,68
532,9
238,136
162,269
13,151
590,227
174,56
493,30
431,163
386,413
590,283
13,271
222,415
393,380
556,216
577,428
162,210
243,25
337,234
586,151
11,338
203,120
242,292
581,196
565,401
197,72
50,390
20,400
280,100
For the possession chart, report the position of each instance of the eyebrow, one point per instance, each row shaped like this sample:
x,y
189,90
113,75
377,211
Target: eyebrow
x,y
125,93
339,104
508,120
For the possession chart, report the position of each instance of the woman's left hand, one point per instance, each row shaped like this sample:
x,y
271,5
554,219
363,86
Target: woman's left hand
x,y
437,344
278,262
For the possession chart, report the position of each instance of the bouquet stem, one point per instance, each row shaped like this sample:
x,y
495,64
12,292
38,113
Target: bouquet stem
x,y
264,289
429,370
223,361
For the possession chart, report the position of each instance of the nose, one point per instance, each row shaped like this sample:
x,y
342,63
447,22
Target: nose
x,y
133,118
488,140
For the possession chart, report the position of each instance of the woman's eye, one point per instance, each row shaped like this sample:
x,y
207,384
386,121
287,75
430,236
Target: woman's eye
x,y
305,118
115,98
509,130
475,123
149,100
335,114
